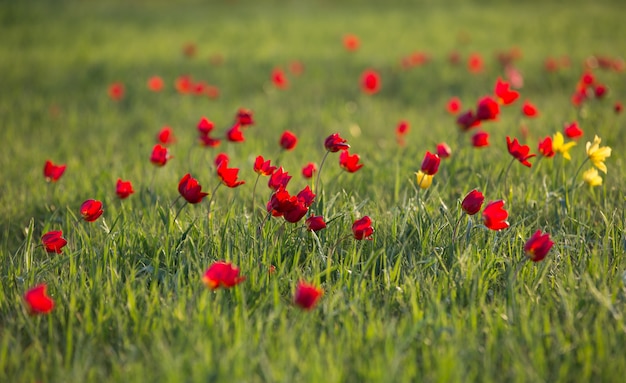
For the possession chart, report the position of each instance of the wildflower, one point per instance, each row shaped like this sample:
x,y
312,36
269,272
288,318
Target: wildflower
x,y
123,189
520,152
183,84
309,169
335,143
430,163
453,106
401,130
234,134
529,110
296,68
165,136
307,295
423,180
221,158
160,155
370,81
91,210
480,139
538,246
116,91
618,107
559,145
279,178
362,228
53,241
38,300
288,140
222,274
592,177
315,223
244,117
504,94
487,109
53,172
262,167
279,79
572,130
443,150
349,163
155,83
351,42
467,120
209,141
545,147
494,216
190,189
600,91
598,154
472,202
229,175
205,126
475,63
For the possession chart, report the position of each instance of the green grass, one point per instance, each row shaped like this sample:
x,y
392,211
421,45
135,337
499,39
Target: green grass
x,y
414,304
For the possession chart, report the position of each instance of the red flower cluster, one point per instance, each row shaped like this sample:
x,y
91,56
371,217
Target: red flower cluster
x,y
291,208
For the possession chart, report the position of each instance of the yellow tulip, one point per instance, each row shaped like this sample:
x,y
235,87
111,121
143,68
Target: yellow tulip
x,y
424,180
592,178
598,154
559,145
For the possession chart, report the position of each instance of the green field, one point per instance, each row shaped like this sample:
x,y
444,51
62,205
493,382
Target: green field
x,y
434,296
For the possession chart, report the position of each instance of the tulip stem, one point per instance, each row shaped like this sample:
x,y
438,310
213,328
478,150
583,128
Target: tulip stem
x,y
317,180
254,190
179,210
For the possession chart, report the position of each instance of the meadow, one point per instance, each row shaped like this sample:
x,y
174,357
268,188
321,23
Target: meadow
x,y
436,289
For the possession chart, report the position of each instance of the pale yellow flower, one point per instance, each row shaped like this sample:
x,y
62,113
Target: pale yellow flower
x,y
598,154
424,180
559,145
592,178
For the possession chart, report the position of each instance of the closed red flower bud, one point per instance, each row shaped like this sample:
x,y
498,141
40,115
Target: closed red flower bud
x,y
443,150
309,169
53,241
38,300
165,136
573,131
222,274
244,117
190,189
529,110
472,202
362,228
91,210
494,216
487,109
205,126
349,163
430,164
307,295
123,189
221,158
335,143
160,155
288,140
315,223
538,246
480,139
53,172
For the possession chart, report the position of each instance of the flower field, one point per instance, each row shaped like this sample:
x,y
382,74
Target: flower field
x,y
312,191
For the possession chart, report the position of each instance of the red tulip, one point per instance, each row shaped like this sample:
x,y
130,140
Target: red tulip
x,y
288,140
475,63
53,241
467,120
453,106
520,152
487,109
503,92
309,169
91,210
370,82
472,202
600,91
155,83
402,128
222,274
262,167
573,131
480,139
362,228
494,216
123,188
279,79
209,141
538,246
351,42
229,175
335,143
160,155
190,189
306,196
315,223
430,163
307,295
279,178
618,107
116,91
234,134
443,150
183,84
53,172
221,158
244,117
38,301
529,110
165,136
349,163
205,126
545,147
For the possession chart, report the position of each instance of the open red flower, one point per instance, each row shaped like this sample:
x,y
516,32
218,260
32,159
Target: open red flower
x,y
229,175
453,106
349,163
155,83
472,202
335,143
545,147
38,300
288,140
370,81
315,223
309,169
529,110
504,94
160,155
190,189
520,152
123,189
279,79
538,246
234,134
53,241
244,117
279,178
222,274
494,216
165,136
116,91
480,139
53,172
362,228
430,163
307,295
262,167
573,131
91,210
443,150
487,109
